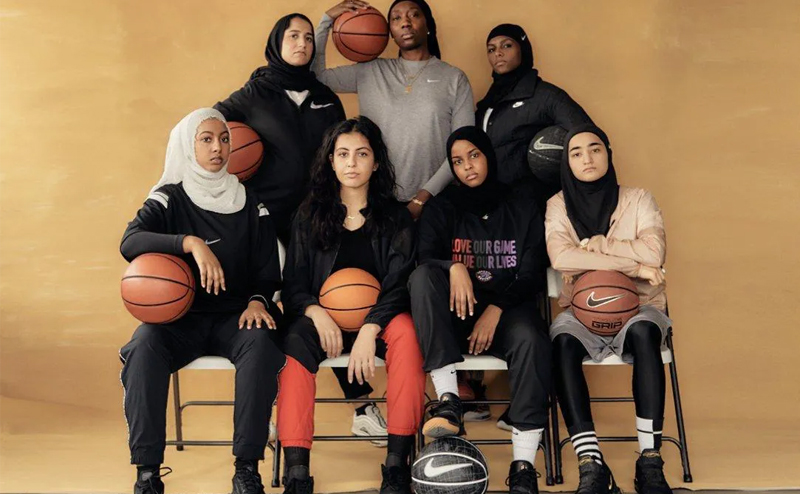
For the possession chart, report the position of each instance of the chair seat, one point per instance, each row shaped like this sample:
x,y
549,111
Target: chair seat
x,y
666,357
481,362
221,363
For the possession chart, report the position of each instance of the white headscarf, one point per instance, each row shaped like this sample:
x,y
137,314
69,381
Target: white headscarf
x,y
218,192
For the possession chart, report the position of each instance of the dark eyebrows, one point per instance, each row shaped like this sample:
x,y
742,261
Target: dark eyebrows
x,y
579,147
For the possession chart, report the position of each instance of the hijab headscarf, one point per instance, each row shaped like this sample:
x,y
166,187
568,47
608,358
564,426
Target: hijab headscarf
x,y
281,73
504,83
433,41
487,196
589,204
219,192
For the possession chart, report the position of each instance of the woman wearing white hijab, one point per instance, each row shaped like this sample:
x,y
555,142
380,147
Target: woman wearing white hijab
x,y
200,212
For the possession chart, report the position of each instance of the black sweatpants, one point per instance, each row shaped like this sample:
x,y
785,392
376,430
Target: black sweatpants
x,y
643,341
520,339
156,351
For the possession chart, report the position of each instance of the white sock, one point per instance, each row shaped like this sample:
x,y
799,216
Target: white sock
x,y
445,380
525,443
649,437
585,444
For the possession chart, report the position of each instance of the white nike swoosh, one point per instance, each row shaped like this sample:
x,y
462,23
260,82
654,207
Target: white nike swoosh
x,y
518,104
315,106
209,242
434,80
540,146
593,302
432,471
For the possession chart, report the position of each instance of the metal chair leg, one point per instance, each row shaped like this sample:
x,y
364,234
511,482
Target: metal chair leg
x,y
176,394
276,464
548,458
676,395
559,478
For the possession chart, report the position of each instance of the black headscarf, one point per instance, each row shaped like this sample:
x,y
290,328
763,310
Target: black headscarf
x,y
433,41
589,204
487,196
281,73
504,83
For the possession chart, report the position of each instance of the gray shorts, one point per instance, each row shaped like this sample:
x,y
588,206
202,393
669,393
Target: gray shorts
x,y
600,347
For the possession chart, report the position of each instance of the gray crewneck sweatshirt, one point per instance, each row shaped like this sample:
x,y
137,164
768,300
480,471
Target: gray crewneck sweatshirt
x,y
415,125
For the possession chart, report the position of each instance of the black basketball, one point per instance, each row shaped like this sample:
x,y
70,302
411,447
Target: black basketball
x,y
450,465
544,155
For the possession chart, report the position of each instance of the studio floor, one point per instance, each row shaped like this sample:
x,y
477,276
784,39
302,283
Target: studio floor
x,y
49,448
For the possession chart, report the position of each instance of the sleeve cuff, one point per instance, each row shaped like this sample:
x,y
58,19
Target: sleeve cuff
x,y
261,299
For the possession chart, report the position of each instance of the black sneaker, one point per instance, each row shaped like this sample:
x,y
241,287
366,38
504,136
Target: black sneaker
x,y
649,477
522,478
595,478
298,481
447,418
149,481
247,480
396,480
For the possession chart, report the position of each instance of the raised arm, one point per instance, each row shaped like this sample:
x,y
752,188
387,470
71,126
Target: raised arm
x,y
342,79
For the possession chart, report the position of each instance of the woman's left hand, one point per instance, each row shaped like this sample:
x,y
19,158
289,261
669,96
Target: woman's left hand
x,y
416,209
362,356
256,313
483,331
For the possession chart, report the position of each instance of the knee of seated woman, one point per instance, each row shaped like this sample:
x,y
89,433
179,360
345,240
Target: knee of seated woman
x,y
643,333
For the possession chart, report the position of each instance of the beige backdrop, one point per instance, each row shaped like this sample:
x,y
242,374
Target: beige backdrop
x,y
700,100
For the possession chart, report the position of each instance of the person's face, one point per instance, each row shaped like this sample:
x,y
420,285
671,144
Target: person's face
x,y
588,157
212,145
408,26
353,160
469,163
298,43
504,54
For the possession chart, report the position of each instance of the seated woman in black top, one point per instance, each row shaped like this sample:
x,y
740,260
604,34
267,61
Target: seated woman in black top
x,y
202,213
350,220
481,266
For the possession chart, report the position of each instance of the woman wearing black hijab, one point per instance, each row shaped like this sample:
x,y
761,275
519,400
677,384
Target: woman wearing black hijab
x,y
480,268
519,104
595,224
291,110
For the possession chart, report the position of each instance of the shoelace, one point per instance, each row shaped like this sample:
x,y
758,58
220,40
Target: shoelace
x,y
156,476
525,479
376,412
250,479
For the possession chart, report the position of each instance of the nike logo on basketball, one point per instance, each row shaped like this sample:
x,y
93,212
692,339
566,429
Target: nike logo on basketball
x,y
315,106
209,242
432,471
540,146
597,302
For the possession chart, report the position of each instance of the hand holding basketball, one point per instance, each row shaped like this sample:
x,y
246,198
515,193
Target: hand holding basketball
x,y
330,335
483,332
256,313
346,6
654,275
461,294
211,275
362,356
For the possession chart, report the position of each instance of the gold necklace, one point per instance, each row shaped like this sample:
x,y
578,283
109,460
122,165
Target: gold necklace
x,y
410,81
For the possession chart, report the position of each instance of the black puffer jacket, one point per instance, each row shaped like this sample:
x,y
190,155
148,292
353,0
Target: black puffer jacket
x,y
531,106
307,267
291,137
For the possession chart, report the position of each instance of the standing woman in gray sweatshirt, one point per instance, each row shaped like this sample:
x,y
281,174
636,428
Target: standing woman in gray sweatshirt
x,y
417,100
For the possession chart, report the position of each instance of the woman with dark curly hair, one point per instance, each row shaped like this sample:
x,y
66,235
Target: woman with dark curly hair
x,y
350,219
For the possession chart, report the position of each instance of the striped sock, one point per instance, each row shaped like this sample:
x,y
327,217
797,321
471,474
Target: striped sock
x,y
585,444
525,443
649,432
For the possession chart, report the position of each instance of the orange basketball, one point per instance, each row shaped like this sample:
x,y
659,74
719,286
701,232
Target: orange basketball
x,y
247,151
362,35
158,288
604,301
348,295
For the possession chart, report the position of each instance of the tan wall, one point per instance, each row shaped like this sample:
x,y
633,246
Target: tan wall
x,y
700,100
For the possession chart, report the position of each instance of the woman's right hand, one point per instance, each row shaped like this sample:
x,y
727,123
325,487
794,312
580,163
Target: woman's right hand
x,y
211,275
346,6
461,295
330,335
654,275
